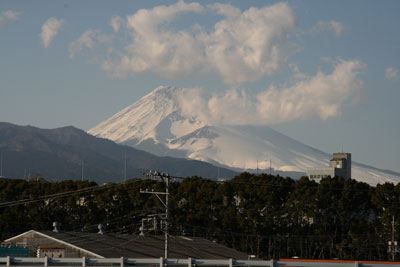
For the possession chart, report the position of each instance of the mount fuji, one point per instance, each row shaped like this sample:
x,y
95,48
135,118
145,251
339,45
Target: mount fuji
x,y
159,124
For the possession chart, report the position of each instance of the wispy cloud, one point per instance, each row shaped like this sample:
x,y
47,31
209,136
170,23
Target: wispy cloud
x,y
322,95
242,46
116,22
9,16
392,74
336,27
50,29
88,39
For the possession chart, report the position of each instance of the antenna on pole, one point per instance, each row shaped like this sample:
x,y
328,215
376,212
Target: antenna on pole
x,y
257,167
270,166
82,166
265,166
1,164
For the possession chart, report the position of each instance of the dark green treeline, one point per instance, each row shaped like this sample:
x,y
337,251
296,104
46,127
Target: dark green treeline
x,y
268,216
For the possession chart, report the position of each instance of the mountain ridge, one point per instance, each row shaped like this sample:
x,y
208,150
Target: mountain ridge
x,y
58,154
159,124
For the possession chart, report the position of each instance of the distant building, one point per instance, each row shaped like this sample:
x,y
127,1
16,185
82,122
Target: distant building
x,y
339,165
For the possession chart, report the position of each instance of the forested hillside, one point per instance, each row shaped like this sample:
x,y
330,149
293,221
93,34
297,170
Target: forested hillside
x,y
70,153
269,216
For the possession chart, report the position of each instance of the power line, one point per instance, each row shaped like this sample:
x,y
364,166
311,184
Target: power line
x,y
275,236
64,194
98,187
25,201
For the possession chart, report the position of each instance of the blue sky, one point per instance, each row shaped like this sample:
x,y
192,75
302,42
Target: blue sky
x,y
327,72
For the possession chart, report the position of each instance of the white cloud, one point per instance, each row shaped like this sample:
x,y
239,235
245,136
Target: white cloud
x,y
336,27
297,73
226,10
50,29
246,47
9,16
392,73
88,39
116,22
322,95
242,46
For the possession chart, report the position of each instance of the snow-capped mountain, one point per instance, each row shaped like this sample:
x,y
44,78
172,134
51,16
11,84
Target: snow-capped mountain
x,y
158,123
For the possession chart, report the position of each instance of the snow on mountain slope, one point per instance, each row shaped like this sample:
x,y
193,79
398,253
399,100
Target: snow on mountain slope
x,y
157,124
242,146
156,116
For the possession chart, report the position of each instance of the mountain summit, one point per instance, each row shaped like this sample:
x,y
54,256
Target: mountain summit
x,y
160,124
156,116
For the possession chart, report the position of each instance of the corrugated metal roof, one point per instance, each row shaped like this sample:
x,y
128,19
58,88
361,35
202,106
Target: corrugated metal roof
x,y
134,246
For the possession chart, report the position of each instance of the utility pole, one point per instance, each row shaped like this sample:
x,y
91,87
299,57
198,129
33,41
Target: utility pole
x,y
392,248
270,166
165,178
1,165
125,168
266,166
166,216
257,168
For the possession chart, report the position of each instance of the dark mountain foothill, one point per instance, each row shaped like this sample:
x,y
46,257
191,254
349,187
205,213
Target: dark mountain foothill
x,y
59,154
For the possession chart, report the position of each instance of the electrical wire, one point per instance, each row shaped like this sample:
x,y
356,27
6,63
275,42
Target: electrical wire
x,y
99,187
64,194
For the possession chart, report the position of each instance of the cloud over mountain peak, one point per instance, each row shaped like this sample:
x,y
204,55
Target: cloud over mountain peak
x,y
164,122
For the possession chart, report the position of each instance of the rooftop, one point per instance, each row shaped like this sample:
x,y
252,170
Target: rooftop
x,y
134,246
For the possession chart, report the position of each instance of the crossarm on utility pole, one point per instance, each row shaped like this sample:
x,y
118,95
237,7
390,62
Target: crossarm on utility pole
x,y
157,195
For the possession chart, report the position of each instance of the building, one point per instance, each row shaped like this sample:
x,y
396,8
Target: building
x,y
339,165
102,245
